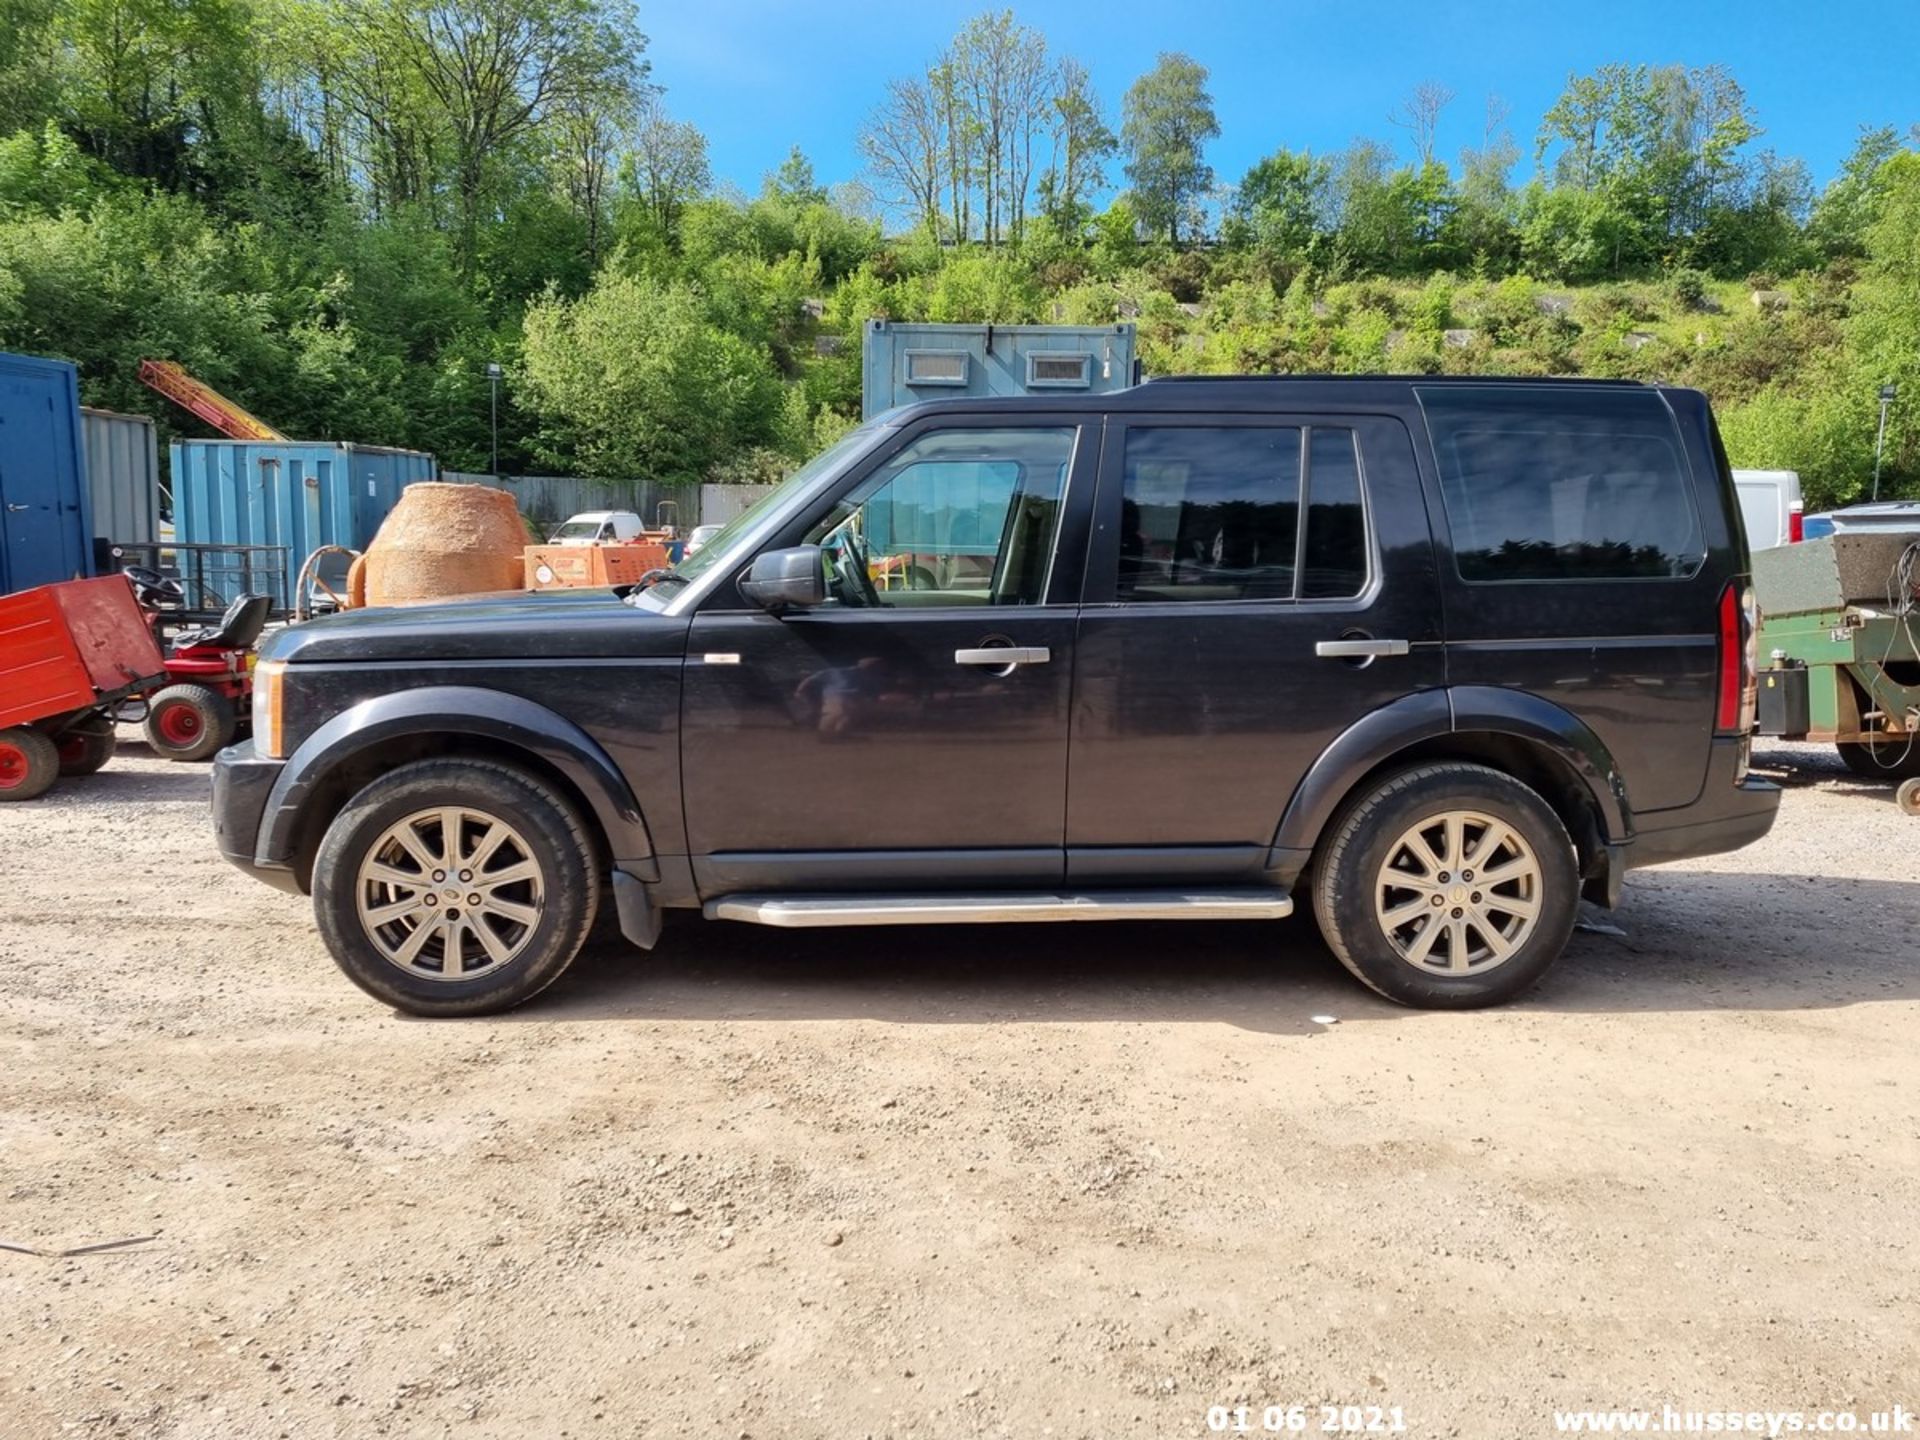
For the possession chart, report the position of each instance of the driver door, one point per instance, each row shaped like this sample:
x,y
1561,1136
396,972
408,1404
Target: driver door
x,y
878,740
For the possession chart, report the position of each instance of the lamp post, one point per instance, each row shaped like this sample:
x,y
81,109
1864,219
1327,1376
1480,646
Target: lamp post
x,y
492,379
1880,440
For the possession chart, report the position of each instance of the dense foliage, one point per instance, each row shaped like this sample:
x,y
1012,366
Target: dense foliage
x,y
342,211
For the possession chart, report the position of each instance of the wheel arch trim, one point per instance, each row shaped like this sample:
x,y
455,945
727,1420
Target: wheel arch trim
x,y
1378,736
453,710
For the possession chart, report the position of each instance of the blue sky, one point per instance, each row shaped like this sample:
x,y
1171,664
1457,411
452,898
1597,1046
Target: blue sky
x,y
758,76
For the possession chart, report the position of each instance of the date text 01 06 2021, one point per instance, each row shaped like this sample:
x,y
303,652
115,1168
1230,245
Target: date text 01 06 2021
x,y
1304,1419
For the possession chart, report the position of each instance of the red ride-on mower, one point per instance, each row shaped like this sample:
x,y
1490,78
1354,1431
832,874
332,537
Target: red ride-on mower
x,y
68,654
209,692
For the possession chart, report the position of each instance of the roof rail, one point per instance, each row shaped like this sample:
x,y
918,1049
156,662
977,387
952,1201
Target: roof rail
x,y
1319,377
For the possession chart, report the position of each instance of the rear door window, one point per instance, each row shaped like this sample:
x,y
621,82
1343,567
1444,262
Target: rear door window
x,y
1336,548
1214,513
1561,484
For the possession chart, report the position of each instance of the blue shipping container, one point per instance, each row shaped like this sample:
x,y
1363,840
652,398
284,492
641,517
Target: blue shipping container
x,y
46,518
300,494
902,364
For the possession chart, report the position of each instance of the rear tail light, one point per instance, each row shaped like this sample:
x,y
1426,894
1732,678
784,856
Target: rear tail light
x,y
1796,522
1739,660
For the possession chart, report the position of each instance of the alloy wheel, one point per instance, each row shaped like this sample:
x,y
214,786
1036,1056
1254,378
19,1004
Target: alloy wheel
x,y
450,893
1458,893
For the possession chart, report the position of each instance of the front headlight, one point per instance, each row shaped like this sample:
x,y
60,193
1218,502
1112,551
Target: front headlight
x,y
269,712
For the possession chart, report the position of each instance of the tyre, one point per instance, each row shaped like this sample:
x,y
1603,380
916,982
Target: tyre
x,y
29,763
455,887
1885,760
189,722
87,746
1448,886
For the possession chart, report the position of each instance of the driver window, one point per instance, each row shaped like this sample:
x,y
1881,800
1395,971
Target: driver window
x,y
958,517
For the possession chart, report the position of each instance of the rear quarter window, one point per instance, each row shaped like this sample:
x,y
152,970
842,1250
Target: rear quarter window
x,y
1552,484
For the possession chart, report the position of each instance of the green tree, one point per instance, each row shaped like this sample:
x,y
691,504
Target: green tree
x,y
793,182
1851,202
666,168
143,81
1280,208
1884,331
1576,235
1485,207
28,51
1168,120
1663,148
437,96
1387,221
632,381
1082,145
904,142
1001,74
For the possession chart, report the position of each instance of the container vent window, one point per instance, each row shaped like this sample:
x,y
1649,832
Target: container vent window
x,y
936,367
1055,369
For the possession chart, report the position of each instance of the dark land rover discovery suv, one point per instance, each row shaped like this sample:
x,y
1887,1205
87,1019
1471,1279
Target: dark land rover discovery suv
x,y
1440,656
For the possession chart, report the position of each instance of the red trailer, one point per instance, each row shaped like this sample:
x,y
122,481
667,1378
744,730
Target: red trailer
x,y
67,653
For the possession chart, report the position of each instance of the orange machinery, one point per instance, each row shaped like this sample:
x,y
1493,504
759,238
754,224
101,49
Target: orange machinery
x,y
573,567
200,398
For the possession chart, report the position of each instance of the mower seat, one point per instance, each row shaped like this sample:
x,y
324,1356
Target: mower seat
x,y
246,617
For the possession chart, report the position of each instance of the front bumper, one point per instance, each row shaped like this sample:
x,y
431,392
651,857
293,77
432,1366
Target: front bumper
x,y
1728,814
242,781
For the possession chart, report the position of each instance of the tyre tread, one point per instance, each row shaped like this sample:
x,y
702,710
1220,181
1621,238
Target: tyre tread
x,y
217,709
565,946
1353,825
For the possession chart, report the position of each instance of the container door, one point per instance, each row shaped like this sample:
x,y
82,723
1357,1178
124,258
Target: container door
x,y
41,522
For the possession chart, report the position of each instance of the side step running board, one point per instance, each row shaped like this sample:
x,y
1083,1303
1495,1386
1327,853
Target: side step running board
x,y
796,911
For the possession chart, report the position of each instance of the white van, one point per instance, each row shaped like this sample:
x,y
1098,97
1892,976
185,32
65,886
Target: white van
x,y
1771,507
598,527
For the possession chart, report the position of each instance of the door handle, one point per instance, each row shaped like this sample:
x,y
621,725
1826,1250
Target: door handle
x,y
1358,649
16,509
1002,657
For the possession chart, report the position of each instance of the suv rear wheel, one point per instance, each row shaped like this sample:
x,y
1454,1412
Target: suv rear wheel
x,y
1448,886
455,887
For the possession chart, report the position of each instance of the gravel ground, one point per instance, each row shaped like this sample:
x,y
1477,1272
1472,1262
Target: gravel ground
x,y
1082,1181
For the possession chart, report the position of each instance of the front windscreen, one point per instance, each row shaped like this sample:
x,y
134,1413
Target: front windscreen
x,y
716,547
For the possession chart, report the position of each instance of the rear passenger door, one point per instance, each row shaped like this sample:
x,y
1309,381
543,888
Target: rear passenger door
x,y
1234,559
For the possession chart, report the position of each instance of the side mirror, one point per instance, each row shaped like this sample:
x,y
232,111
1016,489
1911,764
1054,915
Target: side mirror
x,y
786,579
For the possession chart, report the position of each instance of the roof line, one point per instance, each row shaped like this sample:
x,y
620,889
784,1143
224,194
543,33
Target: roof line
x,y
1412,379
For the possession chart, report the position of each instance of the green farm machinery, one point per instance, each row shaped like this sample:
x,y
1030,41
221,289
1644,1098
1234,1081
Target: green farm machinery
x,y
1840,650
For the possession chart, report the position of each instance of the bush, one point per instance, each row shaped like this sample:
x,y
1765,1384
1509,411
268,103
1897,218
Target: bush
x,y
1361,344
1432,308
1183,274
1689,288
981,286
1824,434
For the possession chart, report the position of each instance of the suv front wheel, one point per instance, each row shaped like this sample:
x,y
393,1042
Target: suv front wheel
x,y
1448,886
455,887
